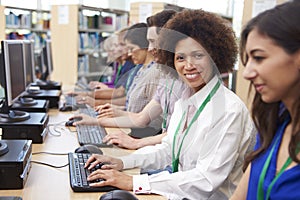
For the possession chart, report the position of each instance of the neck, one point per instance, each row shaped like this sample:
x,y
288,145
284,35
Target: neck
x,y
149,59
291,98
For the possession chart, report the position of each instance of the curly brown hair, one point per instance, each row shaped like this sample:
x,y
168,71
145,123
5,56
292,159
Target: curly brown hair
x,y
213,32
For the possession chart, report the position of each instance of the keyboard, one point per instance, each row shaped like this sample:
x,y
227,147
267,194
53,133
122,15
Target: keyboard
x,y
70,100
88,111
78,174
91,134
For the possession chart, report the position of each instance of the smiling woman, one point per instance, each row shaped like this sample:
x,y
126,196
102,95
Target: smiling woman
x,y
210,130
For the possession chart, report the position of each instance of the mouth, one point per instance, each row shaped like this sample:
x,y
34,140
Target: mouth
x,y
192,76
259,87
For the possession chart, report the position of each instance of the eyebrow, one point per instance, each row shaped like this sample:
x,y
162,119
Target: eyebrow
x,y
196,51
256,50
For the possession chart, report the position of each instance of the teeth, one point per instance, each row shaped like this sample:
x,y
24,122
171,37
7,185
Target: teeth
x,y
190,76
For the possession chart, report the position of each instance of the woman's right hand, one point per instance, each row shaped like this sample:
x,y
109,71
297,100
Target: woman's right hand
x,y
110,162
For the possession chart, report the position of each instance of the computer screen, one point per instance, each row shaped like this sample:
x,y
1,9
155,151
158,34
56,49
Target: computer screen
x,y
47,55
28,56
14,69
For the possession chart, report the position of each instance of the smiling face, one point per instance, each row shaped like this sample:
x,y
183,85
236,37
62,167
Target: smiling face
x,y
193,63
274,73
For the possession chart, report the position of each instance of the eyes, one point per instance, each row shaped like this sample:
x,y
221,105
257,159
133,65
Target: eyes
x,y
194,57
258,58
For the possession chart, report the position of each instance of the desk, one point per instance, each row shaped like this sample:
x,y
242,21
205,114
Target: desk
x,y
47,183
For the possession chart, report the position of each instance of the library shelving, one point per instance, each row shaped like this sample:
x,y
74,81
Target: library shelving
x,y
77,34
24,23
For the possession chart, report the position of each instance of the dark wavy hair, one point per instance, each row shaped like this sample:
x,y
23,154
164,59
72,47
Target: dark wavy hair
x,y
137,34
160,19
214,33
280,24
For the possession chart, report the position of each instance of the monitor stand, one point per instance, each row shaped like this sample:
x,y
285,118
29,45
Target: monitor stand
x,y
3,148
39,105
14,116
27,101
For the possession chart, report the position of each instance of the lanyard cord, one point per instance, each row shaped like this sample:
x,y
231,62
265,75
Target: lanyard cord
x,y
131,75
118,74
167,103
260,191
175,160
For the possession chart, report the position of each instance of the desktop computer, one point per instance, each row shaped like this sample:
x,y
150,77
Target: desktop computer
x,y
34,128
15,163
53,96
47,85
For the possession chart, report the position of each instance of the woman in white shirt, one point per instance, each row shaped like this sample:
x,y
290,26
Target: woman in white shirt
x,y
210,130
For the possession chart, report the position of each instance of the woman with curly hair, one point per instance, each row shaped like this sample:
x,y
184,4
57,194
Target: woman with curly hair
x,y
210,130
270,51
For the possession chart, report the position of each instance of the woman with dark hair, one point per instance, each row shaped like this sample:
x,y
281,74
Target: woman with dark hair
x,y
210,130
270,51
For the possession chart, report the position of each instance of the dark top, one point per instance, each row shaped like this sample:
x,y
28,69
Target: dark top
x,y
287,185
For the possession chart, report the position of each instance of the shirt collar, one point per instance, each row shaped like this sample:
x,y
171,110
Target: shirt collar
x,y
197,99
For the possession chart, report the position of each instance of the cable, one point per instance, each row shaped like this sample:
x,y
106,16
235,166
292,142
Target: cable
x,y
56,128
51,153
49,165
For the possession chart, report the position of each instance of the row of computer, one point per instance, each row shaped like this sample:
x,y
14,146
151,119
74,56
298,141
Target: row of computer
x,y
25,100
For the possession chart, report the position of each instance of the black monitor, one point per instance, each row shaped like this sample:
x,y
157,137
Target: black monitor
x,y
12,80
28,56
39,63
47,56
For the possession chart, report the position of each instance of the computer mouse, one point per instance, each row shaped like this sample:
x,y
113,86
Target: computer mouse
x,y
66,108
71,121
89,148
118,195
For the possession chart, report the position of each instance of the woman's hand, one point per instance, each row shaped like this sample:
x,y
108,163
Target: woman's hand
x,y
85,120
110,162
85,100
97,85
111,178
108,110
122,140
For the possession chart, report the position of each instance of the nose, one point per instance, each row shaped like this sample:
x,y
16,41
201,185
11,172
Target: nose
x,y
249,71
189,63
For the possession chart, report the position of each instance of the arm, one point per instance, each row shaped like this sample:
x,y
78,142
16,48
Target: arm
x,y
109,93
134,120
211,161
123,140
242,188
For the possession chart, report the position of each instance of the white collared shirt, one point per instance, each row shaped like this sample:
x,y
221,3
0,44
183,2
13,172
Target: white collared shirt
x,y
212,155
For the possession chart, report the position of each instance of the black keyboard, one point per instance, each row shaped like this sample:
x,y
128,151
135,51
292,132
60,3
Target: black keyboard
x,y
88,111
89,134
71,100
78,174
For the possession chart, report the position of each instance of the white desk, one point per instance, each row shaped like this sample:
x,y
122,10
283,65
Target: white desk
x,y
47,183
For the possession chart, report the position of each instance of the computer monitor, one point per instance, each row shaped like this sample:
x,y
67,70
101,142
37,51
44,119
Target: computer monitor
x,y
47,55
28,56
12,80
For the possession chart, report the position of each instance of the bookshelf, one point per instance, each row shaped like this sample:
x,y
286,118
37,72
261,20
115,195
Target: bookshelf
x,y
77,33
23,23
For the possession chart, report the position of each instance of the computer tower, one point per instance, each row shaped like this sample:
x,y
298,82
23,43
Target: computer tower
x,y
34,128
15,164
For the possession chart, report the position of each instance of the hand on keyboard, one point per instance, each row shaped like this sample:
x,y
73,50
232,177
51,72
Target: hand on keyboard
x,y
85,120
110,162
